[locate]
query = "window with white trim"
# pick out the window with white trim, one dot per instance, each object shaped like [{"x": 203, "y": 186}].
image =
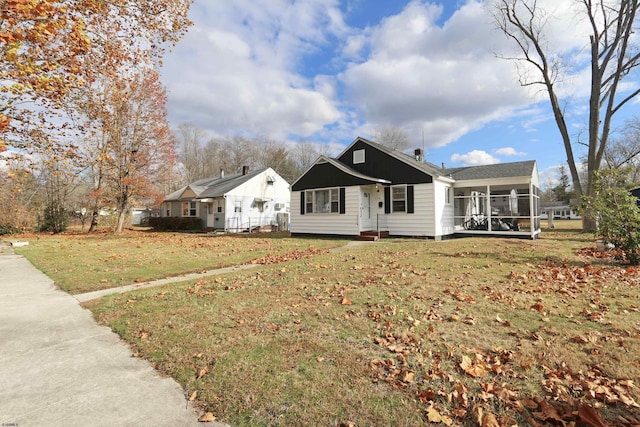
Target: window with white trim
[
  {"x": 322, "y": 201},
  {"x": 447, "y": 195},
  {"x": 308, "y": 197},
  {"x": 399, "y": 198},
  {"x": 358, "y": 157},
  {"x": 189, "y": 209}
]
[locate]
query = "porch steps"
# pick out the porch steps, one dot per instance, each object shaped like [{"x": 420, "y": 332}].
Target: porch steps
[{"x": 371, "y": 236}]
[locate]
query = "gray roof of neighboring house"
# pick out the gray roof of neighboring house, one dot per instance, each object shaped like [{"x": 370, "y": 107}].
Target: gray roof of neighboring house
[
  {"x": 499, "y": 170},
  {"x": 214, "y": 187}
]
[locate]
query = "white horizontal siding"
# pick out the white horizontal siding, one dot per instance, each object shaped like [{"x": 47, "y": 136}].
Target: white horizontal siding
[
  {"x": 419, "y": 223},
  {"x": 443, "y": 214},
  {"x": 339, "y": 224}
]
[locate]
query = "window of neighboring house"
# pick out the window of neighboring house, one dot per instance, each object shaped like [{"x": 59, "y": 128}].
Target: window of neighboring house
[
  {"x": 189, "y": 209},
  {"x": 399, "y": 198},
  {"x": 259, "y": 205},
  {"x": 447, "y": 195},
  {"x": 238, "y": 206},
  {"x": 358, "y": 157}
]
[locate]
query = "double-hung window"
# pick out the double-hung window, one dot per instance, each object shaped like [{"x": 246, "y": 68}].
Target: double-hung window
[
  {"x": 399, "y": 198},
  {"x": 189, "y": 209}
]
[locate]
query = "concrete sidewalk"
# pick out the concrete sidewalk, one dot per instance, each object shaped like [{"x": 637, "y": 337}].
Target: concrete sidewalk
[{"x": 59, "y": 368}]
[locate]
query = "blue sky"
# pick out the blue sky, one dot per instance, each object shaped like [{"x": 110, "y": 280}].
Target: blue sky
[{"x": 328, "y": 71}]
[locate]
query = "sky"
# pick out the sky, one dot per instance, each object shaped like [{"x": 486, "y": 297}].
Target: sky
[{"x": 328, "y": 71}]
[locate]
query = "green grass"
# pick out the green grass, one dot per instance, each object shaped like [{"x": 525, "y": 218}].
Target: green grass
[
  {"x": 83, "y": 262},
  {"x": 377, "y": 335}
]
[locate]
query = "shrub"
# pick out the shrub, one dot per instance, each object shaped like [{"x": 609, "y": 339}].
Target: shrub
[
  {"x": 56, "y": 217},
  {"x": 616, "y": 213},
  {"x": 175, "y": 223},
  {"x": 8, "y": 229}
]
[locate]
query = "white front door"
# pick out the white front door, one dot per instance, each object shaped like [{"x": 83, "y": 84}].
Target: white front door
[
  {"x": 210, "y": 213},
  {"x": 365, "y": 211}
]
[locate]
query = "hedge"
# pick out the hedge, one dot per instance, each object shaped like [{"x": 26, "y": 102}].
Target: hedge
[{"x": 175, "y": 223}]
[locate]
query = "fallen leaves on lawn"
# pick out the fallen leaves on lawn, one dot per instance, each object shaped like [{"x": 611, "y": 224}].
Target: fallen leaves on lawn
[{"x": 289, "y": 256}]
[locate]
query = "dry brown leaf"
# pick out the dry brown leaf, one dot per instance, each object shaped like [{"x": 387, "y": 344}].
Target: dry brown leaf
[
  {"x": 408, "y": 377},
  {"x": 475, "y": 370},
  {"x": 202, "y": 372},
  {"x": 433, "y": 415},
  {"x": 537, "y": 306},
  {"x": 590, "y": 416},
  {"x": 345, "y": 301},
  {"x": 489, "y": 420},
  {"x": 529, "y": 403},
  {"x": 193, "y": 395},
  {"x": 207, "y": 418}
]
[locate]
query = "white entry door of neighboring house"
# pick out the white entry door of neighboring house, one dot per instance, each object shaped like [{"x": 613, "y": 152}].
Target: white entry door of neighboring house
[
  {"x": 210, "y": 214},
  {"x": 365, "y": 211}
]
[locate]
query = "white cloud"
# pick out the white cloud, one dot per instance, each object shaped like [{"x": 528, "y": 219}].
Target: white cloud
[
  {"x": 236, "y": 69},
  {"x": 294, "y": 69},
  {"x": 509, "y": 151},
  {"x": 474, "y": 158},
  {"x": 440, "y": 80}
]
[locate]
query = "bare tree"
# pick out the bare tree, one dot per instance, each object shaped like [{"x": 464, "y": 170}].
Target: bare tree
[
  {"x": 392, "y": 137},
  {"x": 304, "y": 153},
  {"x": 624, "y": 151},
  {"x": 191, "y": 151},
  {"x": 612, "y": 58}
]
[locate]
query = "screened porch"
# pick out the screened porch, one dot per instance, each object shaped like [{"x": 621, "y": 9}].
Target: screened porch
[{"x": 511, "y": 209}]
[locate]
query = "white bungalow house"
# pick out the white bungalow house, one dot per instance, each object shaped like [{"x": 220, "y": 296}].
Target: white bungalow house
[
  {"x": 233, "y": 203},
  {"x": 371, "y": 189}
]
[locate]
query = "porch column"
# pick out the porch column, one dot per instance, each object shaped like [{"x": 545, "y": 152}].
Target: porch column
[{"x": 488, "y": 195}]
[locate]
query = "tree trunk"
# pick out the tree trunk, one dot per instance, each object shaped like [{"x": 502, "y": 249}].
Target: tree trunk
[
  {"x": 589, "y": 224},
  {"x": 94, "y": 221},
  {"x": 121, "y": 217}
]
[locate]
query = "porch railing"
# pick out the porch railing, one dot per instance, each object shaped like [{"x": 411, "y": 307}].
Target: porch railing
[{"x": 381, "y": 223}]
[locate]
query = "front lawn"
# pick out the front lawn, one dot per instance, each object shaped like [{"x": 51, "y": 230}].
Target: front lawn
[
  {"x": 84, "y": 262},
  {"x": 403, "y": 332}
]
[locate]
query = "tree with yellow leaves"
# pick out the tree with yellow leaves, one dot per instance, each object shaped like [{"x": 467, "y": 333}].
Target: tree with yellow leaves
[{"x": 50, "y": 48}]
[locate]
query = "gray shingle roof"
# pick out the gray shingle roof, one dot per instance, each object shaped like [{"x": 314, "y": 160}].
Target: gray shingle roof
[
  {"x": 214, "y": 187},
  {"x": 499, "y": 170}
]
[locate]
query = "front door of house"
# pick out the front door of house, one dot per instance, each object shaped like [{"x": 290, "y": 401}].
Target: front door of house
[
  {"x": 210, "y": 213},
  {"x": 365, "y": 211}
]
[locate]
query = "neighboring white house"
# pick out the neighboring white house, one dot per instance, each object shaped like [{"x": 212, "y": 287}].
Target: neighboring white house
[
  {"x": 233, "y": 203},
  {"x": 371, "y": 188},
  {"x": 560, "y": 211}
]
